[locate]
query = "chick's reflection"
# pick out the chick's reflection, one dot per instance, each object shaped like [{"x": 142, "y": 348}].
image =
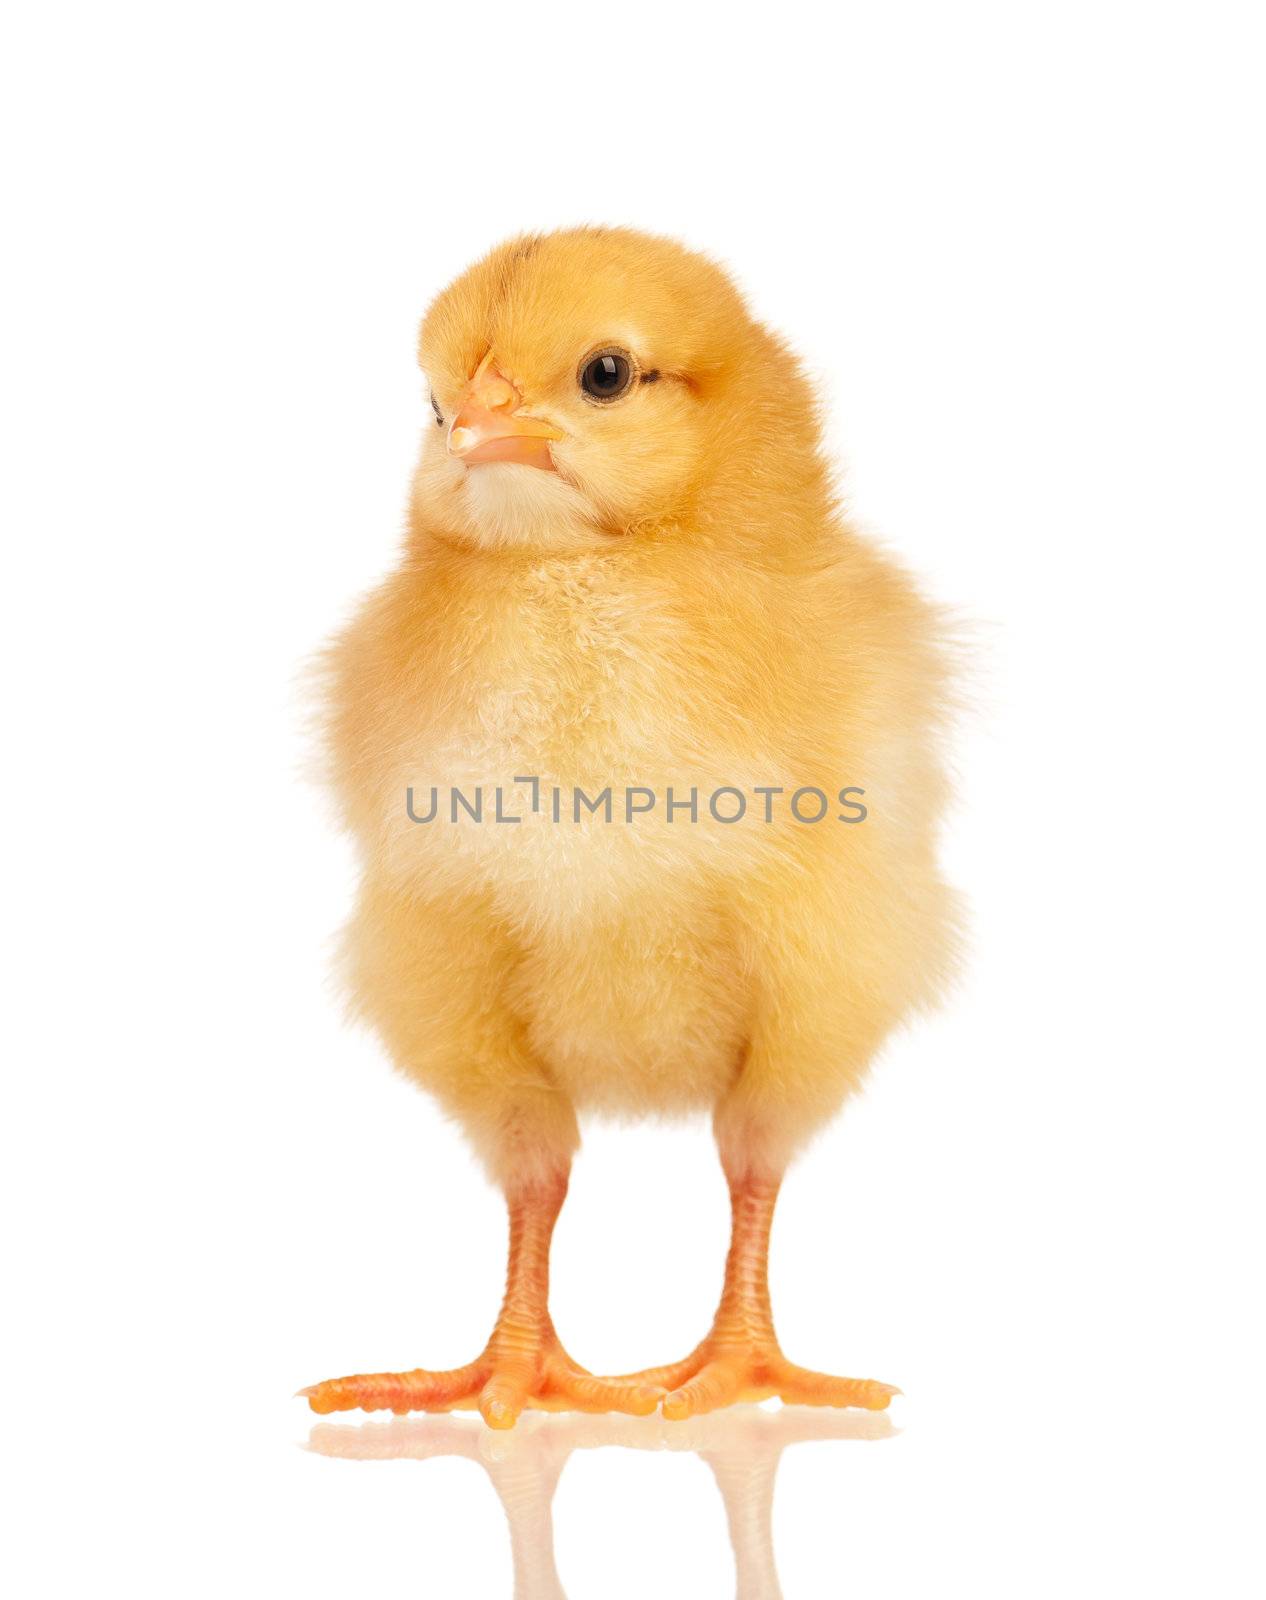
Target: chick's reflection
[{"x": 742, "y": 1446}]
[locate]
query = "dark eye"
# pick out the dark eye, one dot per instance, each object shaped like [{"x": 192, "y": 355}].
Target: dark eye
[
  {"x": 439, "y": 415},
  {"x": 607, "y": 375}
]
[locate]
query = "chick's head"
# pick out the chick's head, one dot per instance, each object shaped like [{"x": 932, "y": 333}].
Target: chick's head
[{"x": 590, "y": 381}]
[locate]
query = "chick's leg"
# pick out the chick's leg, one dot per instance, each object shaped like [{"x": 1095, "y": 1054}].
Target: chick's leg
[
  {"x": 740, "y": 1360},
  {"x": 522, "y": 1365}
]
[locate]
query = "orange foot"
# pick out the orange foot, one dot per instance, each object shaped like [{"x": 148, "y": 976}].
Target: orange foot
[
  {"x": 740, "y": 1360},
  {"x": 523, "y": 1364},
  {"x": 512, "y": 1375},
  {"x": 724, "y": 1371}
]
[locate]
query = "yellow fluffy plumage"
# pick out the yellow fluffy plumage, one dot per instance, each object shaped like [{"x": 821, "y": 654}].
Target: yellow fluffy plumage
[{"x": 676, "y": 603}]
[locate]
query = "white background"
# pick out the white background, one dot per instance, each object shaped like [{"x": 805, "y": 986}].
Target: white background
[{"x": 1018, "y": 245}]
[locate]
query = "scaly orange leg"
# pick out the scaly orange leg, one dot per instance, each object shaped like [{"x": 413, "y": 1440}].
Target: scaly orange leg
[
  {"x": 523, "y": 1364},
  {"x": 740, "y": 1360}
]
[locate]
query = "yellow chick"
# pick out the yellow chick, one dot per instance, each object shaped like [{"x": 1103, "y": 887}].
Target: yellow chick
[{"x": 639, "y": 744}]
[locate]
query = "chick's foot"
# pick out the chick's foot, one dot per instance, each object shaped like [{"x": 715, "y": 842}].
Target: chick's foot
[
  {"x": 523, "y": 1365},
  {"x": 731, "y": 1369},
  {"x": 741, "y": 1360},
  {"x": 512, "y": 1375}
]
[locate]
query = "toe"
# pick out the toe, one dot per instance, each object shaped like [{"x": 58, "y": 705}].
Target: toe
[
  {"x": 392, "y": 1391},
  {"x": 502, "y": 1399},
  {"x": 567, "y": 1383},
  {"x": 798, "y": 1386},
  {"x": 586, "y": 1393},
  {"x": 663, "y": 1378},
  {"x": 714, "y": 1385}
]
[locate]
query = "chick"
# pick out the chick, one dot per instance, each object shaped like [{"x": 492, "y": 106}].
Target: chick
[{"x": 584, "y": 735}]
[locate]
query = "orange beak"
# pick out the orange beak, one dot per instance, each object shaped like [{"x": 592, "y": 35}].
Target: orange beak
[{"x": 490, "y": 427}]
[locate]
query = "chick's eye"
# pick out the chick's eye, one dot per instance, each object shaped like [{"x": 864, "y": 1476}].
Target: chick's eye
[
  {"x": 606, "y": 376},
  {"x": 439, "y": 415}
]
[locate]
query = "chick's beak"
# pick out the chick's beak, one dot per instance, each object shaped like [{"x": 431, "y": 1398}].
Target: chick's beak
[{"x": 489, "y": 425}]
